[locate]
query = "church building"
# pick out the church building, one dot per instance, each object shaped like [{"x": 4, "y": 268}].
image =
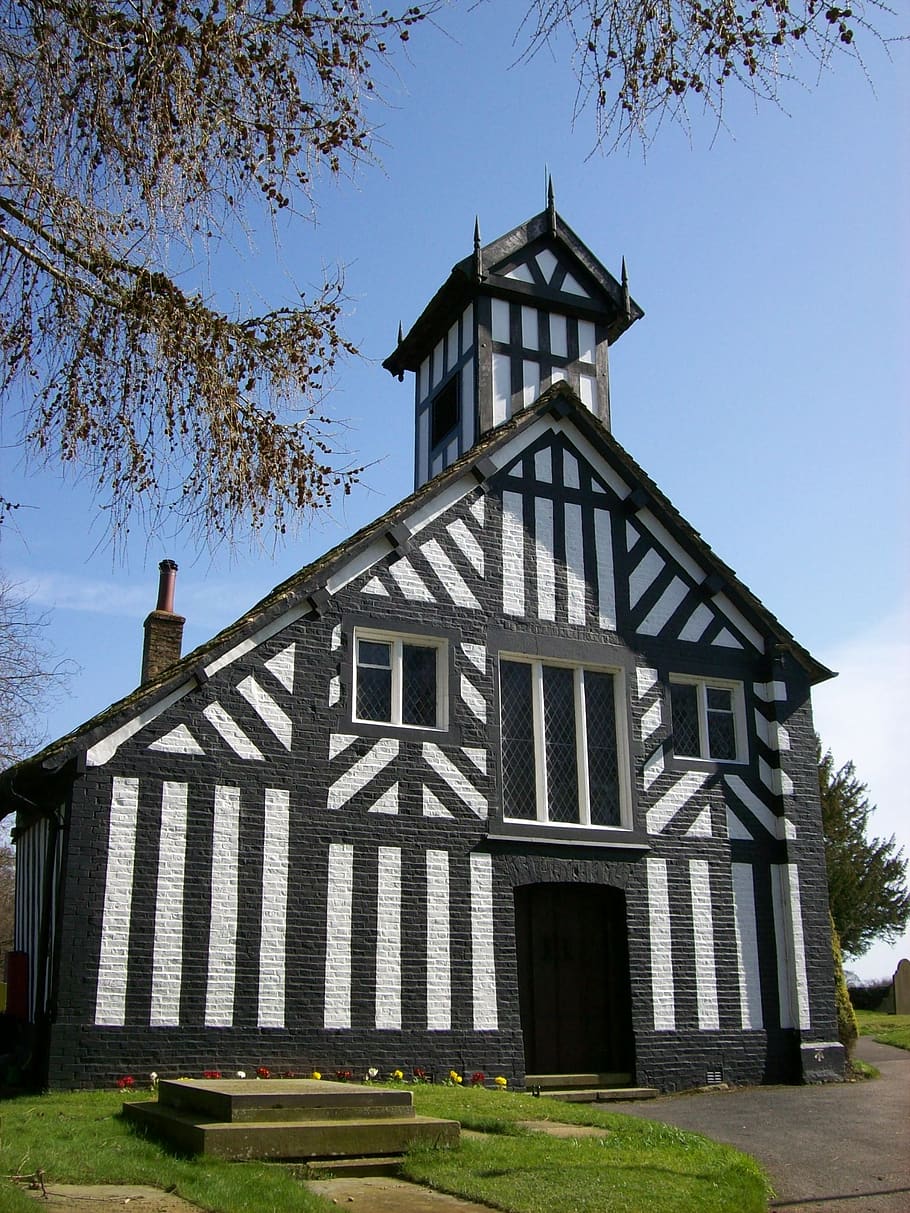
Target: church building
[{"x": 519, "y": 779}]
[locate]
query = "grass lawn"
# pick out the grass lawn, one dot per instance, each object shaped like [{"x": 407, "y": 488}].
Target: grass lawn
[
  {"x": 887, "y": 1029},
  {"x": 78, "y": 1137}
]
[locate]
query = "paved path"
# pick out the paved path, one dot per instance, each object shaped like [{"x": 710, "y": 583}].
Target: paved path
[{"x": 838, "y": 1148}]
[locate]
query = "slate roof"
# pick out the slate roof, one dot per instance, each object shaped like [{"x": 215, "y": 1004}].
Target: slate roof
[{"x": 309, "y": 582}]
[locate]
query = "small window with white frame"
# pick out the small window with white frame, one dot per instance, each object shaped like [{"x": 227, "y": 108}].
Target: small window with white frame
[
  {"x": 564, "y": 752},
  {"x": 400, "y": 679},
  {"x": 708, "y": 719}
]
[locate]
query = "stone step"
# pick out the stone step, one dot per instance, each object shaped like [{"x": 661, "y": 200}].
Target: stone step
[
  {"x": 564, "y": 1082},
  {"x": 258, "y": 1100},
  {"x": 604, "y": 1094},
  {"x": 353, "y": 1168},
  {"x": 291, "y": 1138}
]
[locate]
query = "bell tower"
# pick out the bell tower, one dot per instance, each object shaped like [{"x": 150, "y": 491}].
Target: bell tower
[{"x": 531, "y": 308}]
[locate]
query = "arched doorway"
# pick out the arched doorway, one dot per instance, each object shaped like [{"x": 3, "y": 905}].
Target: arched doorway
[{"x": 573, "y": 979}]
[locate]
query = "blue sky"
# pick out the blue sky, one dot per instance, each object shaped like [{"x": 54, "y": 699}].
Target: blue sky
[{"x": 766, "y": 389}]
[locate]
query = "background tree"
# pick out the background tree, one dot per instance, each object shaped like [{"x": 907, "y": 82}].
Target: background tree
[
  {"x": 867, "y": 876},
  {"x": 130, "y": 135}
]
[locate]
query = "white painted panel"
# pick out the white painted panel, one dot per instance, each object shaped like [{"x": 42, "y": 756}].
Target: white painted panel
[
  {"x": 530, "y": 382},
  {"x": 167, "y": 949},
  {"x": 644, "y": 573},
  {"x": 606, "y": 585},
  {"x": 513, "y": 562},
  {"x": 559, "y": 342},
  {"x": 362, "y": 772},
  {"x": 587, "y": 342},
  {"x": 725, "y": 639},
  {"x": 696, "y": 623},
  {"x": 501, "y": 331},
  {"x": 544, "y": 558},
  {"x": 557, "y": 375},
  {"x": 282, "y": 664},
  {"x": 746, "y": 933},
  {"x": 388, "y": 939},
  {"x": 477, "y": 655},
  {"x": 222, "y": 959},
  {"x": 424, "y": 380},
  {"x": 783, "y": 943},
  {"x": 178, "y": 741},
  {"x": 467, "y": 328},
  {"x": 439, "y": 978},
  {"x": 423, "y": 448},
  {"x": 467, "y": 406},
  {"x": 662, "y": 812},
  {"x": 437, "y": 465},
  {"x": 337, "y": 1007},
  {"x": 521, "y": 273},
  {"x": 569, "y": 470},
  {"x": 387, "y": 803},
  {"x": 543, "y": 466},
  {"x": 459, "y": 783},
  {"x": 433, "y": 806},
  {"x": 473, "y": 699},
  {"x": 740, "y": 622},
  {"x": 451, "y": 580},
  {"x": 529, "y": 335},
  {"x": 502, "y": 388},
  {"x": 451, "y": 452},
  {"x": 231, "y": 732},
  {"x": 110, "y": 998},
  {"x": 703, "y": 937},
  {"x": 483, "y": 955},
  {"x": 575, "y": 564},
  {"x": 452, "y": 344},
  {"x": 701, "y": 827},
  {"x": 645, "y": 679},
  {"x": 270, "y": 713},
  {"x": 653, "y": 768},
  {"x": 651, "y": 720},
  {"x": 273, "y": 920},
  {"x": 572, "y": 286},
  {"x": 662, "y": 991},
  {"x": 674, "y": 549},
  {"x": 659, "y": 615},
  {"x": 464, "y": 540},
  {"x": 438, "y": 362},
  {"x": 409, "y": 581},
  {"x": 777, "y": 827},
  {"x": 546, "y": 263},
  {"x": 803, "y": 1021},
  {"x": 587, "y": 391}
]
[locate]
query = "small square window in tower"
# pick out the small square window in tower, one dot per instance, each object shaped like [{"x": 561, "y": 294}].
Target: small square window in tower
[{"x": 444, "y": 412}]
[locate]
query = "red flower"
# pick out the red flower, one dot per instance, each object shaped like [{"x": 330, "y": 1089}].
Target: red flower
[
  {"x": 478, "y": 1079},
  {"x": 420, "y": 1073},
  {"x": 126, "y": 1082},
  {"x": 211, "y": 1073},
  {"x": 344, "y": 1075},
  {"x": 288, "y": 1074},
  {"x": 263, "y": 1072}
]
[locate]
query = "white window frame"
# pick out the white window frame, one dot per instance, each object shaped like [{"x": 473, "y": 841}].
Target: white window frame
[
  {"x": 703, "y": 685},
  {"x": 581, "y": 743},
  {"x": 397, "y": 640}
]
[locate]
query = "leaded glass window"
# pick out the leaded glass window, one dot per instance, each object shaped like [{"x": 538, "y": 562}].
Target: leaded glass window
[
  {"x": 399, "y": 680},
  {"x": 707, "y": 720},
  {"x": 560, "y": 752}
]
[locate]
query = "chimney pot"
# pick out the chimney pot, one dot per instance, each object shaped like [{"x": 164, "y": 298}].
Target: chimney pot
[{"x": 163, "y": 628}]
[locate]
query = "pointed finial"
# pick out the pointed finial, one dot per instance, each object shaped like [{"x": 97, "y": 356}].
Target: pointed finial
[
  {"x": 400, "y": 333},
  {"x": 551, "y": 206},
  {"x": 478, "y": 253},
  {"x": 626, "y": 301}
]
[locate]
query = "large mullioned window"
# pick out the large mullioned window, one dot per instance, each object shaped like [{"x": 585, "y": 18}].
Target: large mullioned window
[
  {"x": 560, "y": 745},
  {"x": 400, "y": 680}
]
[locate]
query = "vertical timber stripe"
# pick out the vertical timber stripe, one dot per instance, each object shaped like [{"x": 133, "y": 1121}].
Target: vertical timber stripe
[
  {"x": 282, "y": 666},
  {"x": 337, "y": 1006},
  {"x": 513, "y": 563},
  {"x": 468, "y": 546},
  {"x": 676, "y": 798},
  {"x": 439, "y": 976},
  {"x": 272, "y": 958},
  {"x": 334, "y": 690},
  {"x": 167, "y": 954},
  {"x": 662, "y": 993},
  {"x": 606, "y": 586},
  {"x": 575, "y": 564},
  {"x": 110, "y": 999},
  {"x": 803, "y": 1021},
  {"x": 703, "y": 935},
  {"x": 219, "y": 994},
  {"x": 451, "y": 580},
  {"x": 272, "y": 716},
  {"x": 409, "y": 581},
  {"x": 366, "y": 768},
  {"x": 231, "y": 732},
  {"x": 543, "y": 552},
  {"x": 746, "y": 947},
  {"x": 784, "y": 951},
  {"x": 388, "y": 939},
  {"x": 483, "y": 956},
  {"x": 462, "y": 787}
]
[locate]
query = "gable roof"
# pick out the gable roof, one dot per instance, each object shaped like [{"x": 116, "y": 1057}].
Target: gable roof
[
  {"x": 488, "y": 266},
  {"x": 306, "y": 592}
]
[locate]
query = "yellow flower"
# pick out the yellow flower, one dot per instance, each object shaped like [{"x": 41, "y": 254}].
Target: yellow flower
[
  {"x": 398, "y": 1075},
  {"x": 500, "y": 1081},
  {"x": 316, "y": 1075}
]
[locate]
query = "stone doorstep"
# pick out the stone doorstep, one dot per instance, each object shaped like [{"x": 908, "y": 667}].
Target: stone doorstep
[
  {"x": 564, "y": 1082},
  {"x": 242, "y": 1100},
  {"x": 353, "y": 1168},
  {"x": 292, "y": 1139},
  {"x": 604, "y": 1095}
]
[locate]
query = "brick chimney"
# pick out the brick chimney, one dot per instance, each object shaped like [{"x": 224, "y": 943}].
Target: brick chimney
[{"x": 163, "y": 629}]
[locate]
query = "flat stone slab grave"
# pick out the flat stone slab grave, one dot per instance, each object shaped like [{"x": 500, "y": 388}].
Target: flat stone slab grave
[{"x": 290, "y": 1118}]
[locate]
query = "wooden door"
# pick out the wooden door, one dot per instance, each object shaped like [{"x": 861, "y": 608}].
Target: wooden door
[{"x": 573, "y": 974}]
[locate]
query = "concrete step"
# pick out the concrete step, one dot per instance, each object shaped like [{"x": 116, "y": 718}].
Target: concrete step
[
  {"x": 291, "y": 1138},
  {"x": 281, "y": 1099},
  {"x": 603, "y": 1094},
  {"x": 564, "y": 1082},
  {"x": 318, "y": 1168}
]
